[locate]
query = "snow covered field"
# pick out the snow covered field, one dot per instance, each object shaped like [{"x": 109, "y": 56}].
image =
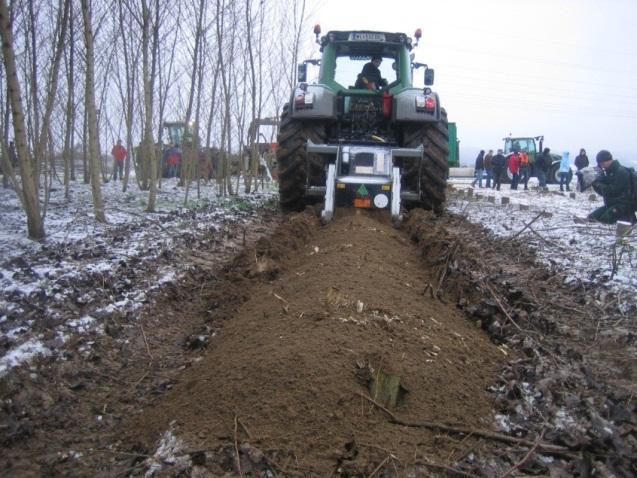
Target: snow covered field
[
  {"x": 586, "y": 253},
  {"x": 85, "y": 271}
]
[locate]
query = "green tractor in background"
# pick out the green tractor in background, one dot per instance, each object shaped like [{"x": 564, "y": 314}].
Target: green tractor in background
[{"x": 347, "y": 145}]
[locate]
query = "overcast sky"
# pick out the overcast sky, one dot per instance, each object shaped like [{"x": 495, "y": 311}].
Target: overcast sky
[{"x": 566, "y": 69}]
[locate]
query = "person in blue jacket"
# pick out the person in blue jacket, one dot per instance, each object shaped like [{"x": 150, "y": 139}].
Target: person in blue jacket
[{"x": 565, "y": 171}]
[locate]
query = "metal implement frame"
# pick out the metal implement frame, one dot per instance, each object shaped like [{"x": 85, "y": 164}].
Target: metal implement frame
[{"x": 328, "y": 191}]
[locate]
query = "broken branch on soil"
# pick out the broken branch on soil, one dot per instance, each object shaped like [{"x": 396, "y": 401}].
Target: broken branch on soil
[
  {"x": 146, "y": 341},
  {"x": 245, "y": 429},
  {"x": 446, "y": 468},
  {"x": 236, "y": 447},
  {"x": 528, "y": 224},
  {"x": 547, "y": 447},
  {"x": 499, "y": 302},
  {"x": 525, "y": 458},
  {"x": 445, "y": 267},
  {"x": 380, "y": 465}
]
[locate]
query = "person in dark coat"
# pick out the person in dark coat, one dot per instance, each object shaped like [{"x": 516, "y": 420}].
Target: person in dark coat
[
  {"x": 488, "y": 167},
  {"x": 614, "y": 185},
  {"x": 479, "y": 169},
  {"x": 543, "y": 166},
  {"x": 581, "y": 162},
  {"x": 370, "y": 78},
  {"x": 499, "y": 167}
]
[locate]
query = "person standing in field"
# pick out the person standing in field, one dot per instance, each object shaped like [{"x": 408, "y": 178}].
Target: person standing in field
[
  {"x": 119, "y": 155},
  {"x": 524, "y": 169},
  {"x": 488, "y": 167},
  {"x": 479, "y": 169},
  {"x": 499, "y": 168},
  {"x": 564, "y": 171},
  {"x": 581, "y": 162},
  {"x": 543, "y": 166},
  {"x": 514, "y": 167}
]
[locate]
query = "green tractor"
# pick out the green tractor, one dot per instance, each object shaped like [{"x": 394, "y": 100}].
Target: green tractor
[
  {"x": 346, "y": 142},
  {"x": 533, "y": 146}
]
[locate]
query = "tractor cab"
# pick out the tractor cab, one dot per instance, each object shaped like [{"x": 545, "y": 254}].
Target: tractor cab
[{"x": 178, "y": 132}]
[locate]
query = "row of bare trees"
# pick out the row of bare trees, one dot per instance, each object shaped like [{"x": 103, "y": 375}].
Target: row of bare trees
[{"x": 79, "y": 74}]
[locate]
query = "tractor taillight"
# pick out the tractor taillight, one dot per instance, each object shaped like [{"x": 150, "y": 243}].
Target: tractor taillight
[
  {"x": 425, "y": 103},
  {"x": 303, "y": 99}
]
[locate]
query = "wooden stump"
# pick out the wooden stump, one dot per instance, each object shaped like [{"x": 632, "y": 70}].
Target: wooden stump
[
  {"x": 505, "y": 200},
  {"x": 385, "y": 388}
]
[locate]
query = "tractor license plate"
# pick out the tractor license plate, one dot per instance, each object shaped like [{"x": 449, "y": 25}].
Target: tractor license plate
[{"x": 363, "y": 202}]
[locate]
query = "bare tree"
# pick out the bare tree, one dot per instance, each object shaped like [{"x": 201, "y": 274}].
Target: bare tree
[
  {"x": 149, "y": 146},
  {"x": 69, "y": 162},
  {"x": 89, "y": 101},
  {"x": 28, "y": 189}
]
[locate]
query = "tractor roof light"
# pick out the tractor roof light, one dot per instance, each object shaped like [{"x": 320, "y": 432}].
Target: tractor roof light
[
  {"x": 418, "y": 35},
  {"x": 317, "y": 32}
]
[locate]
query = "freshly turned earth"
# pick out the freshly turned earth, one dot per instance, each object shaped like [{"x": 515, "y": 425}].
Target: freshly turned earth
[{"x": 291, "y": 365}]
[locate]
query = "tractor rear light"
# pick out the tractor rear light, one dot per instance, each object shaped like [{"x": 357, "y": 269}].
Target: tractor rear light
[
  {"x": 425, "y": 103},
  {"x": 303, "y": 99}
]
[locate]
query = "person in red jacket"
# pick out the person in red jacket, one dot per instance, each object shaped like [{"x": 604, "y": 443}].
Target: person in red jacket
[
  {"x": 514, "y": 167},
  {"x": 119, "y": 155}
]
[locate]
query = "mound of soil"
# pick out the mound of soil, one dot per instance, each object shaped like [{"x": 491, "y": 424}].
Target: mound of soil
[{"x": 347, "y": 300}]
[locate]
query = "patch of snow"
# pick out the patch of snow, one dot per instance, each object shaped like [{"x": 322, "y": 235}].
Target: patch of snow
[
  {"x": 503, "y": 423},
  {"x": 563, "y": 420},
  {"x": 21, "y": 354},
  {"x": 83, "y": 324},
  {"x": 167, "y": 453}
]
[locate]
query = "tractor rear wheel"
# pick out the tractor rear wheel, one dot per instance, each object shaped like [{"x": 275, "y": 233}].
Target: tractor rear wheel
[
  {"x": 293, "y": 160},
  {"x": 435, "y": 167}
]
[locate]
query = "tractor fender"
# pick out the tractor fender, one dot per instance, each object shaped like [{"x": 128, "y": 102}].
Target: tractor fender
[
  {"x": 405, "y": 107},
  {"x": 323, "y": 103}
]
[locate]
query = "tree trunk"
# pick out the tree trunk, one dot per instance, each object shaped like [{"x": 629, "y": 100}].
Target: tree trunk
[
  {"x": 149, "y": 147},
  {"x": 69, "y": 168},
  {"x": 31, "y": 201},
  {"x": 89, "y": 94}
]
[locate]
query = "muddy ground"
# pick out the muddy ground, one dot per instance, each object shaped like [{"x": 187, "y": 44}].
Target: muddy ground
[{"x": 261, "y": 364}]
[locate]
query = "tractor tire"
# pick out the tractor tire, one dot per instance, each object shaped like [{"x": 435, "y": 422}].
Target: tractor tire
[
  {"x": 435, "y": 167},
  {"x": 293, "y": 160}
]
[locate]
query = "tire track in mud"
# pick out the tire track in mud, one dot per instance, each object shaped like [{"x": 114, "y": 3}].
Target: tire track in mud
[{"x": 328, "y": 306}]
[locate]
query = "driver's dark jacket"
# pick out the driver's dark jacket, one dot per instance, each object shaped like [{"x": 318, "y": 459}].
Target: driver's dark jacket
[
  {"x": 372, "y": 74},
  {"x": 614, "y": 186}
]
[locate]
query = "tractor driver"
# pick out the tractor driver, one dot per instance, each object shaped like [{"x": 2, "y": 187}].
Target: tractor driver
[{"x": 370, "y": 77}]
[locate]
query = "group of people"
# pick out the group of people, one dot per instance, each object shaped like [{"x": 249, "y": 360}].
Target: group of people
[
  {"x": 170, "y": 160},
  {"x": 520, "y": 167},
  {"x": 615, "y": 183},
  {"x": 494, "y": 167}
]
